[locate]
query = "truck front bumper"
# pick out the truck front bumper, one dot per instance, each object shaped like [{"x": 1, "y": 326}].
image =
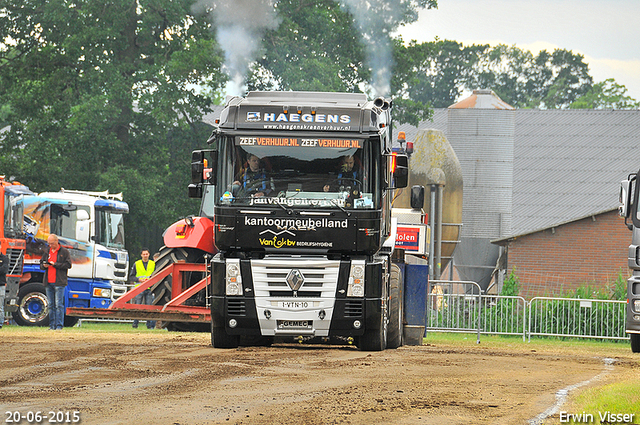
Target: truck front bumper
[{"x": 248, "y": 316}]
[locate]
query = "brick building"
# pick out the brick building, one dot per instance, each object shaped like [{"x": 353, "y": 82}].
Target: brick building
[{"x": 588, "y": 251}]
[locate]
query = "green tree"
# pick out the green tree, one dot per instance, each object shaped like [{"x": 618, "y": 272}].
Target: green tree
[
  {"x": 438, "y": 72},
  {"x": 319, "y": 46},
  {"x": 606, "y": 94},
  {"x": 91, "y": 90},
  {"x": 548, "y": 80}
]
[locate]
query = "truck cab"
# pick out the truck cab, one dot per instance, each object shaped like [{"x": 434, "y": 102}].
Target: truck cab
[
  {"x": 13, "y": 242},
  {"x": 302, "y": 185},
  {"x": 91, "y": 226},
  {"x": 629, "y": 198}
]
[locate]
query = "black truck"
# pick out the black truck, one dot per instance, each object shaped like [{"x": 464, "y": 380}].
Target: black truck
[
  {"x": 300, "y": 185},
  {"x": 629, "y": 198}
]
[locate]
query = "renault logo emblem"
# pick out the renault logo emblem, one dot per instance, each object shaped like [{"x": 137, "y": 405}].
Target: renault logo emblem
[{"x": 295, "y": 279}]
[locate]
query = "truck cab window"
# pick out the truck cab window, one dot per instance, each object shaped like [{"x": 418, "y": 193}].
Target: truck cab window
[
  {"x": 63, "y": 220},
  {"x": 311, "y": 173},
  {"x": 110, "y": 228}
]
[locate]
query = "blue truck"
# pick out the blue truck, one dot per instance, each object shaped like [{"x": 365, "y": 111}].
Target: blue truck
[{"x": 91, "y": 226}]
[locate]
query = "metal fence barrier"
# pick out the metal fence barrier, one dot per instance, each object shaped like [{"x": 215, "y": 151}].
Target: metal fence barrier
[
  {"x": 454, "y": 306},
  {"x": 575, "y": 317},
  {"x": 504, "y": 315},
  {"x": 460, "y": 306}
]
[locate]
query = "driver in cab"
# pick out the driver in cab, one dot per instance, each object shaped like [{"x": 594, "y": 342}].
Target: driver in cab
[
  {"x": 348, "y": 176},
  {"x": 253, "y": 181}
]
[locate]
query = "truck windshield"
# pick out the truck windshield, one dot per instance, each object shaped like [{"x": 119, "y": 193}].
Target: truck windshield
[
  {"x": 110, "y": 228},
  {"x": 298, "y": 171},
  {"x": 13, "y": 213}
]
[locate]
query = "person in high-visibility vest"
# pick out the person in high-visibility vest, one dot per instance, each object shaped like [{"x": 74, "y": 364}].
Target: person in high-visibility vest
[{"x": 140, "y": 272}]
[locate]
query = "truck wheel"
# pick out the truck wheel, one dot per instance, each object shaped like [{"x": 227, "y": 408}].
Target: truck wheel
[
  {"x": 70, "y": 321},
  {"x": 220, "y": 339},
  {"x": 375, "y": 339},
  {"x": 396, "y": 312},
  {"x": 33, "y": 306},
  {"x": 162, "y": 290},
  {"x": 635, "y": 343}
]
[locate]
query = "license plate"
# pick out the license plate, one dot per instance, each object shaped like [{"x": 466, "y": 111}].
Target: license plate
[
  {"x": 294, "y": 324},
  {"x": 294, "y": 305}
]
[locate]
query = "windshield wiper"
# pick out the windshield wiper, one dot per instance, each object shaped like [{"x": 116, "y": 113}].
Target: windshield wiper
[
  {"x": 333, "y": 201},
  {"x": 289, "y": 211}
]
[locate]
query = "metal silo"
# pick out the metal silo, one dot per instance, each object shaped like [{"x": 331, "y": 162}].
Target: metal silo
[
  {"x": 481, "y": 130},
  {"x": 433, "y": 159}
]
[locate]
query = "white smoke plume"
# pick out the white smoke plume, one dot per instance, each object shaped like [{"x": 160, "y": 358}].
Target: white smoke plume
[
  {"x": 240, "y": 25},
  {"x": 376, "y": 19}
]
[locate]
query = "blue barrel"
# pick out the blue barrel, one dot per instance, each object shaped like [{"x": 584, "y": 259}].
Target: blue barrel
[{"x": 416, "y": 281}]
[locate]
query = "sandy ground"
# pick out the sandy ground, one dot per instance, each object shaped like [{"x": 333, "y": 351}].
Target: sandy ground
[{"x": 178, "y": 378}]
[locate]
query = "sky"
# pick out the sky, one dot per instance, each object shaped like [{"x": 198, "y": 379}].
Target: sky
[{"x": 606, "y": 32}]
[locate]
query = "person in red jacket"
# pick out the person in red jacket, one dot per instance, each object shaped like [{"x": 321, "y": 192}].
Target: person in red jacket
[{"x": 56, "y": 261}]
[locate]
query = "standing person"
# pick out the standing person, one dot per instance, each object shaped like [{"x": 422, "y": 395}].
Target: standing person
[
  {"x": 4, "y": 268},
  {"x": 140, "y": 272},
  {"x": 56, "y": 261}
]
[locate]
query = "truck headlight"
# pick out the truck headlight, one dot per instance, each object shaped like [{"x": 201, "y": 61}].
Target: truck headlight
[
  {"x": 102, "y": 292},
  {"x": 233, "y": 277},
  {"x": 636, "y": 305},
  {"x": 355, "y": 287}
]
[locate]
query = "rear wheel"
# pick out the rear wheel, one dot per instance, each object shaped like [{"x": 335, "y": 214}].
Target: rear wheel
[
  {"x": 635, "y": 343},
  {"x": 396, "y": 314},
  {"x": 162, "y": 290},
  {"x": 33, "y": 305}
]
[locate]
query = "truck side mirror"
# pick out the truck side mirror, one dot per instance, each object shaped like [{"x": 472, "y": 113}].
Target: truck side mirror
[
  {"x": 82, "y": 226},
  {"x": 400, "y": 171},
  {"x": 197, "y": 167},
  {"x": 201, "y": 170},
  {"x": 195, "y": 190},
  {"x": 417, "y": 197},
  {"x": 624, "y": 198}
]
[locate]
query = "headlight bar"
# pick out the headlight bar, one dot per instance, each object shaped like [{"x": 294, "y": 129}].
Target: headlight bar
[
  {"x": 355, "y": 287},
  {"x": 233, "y": 277}
]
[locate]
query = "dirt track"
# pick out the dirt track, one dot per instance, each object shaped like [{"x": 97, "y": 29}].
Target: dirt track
[{"x": 178, "y": 378}]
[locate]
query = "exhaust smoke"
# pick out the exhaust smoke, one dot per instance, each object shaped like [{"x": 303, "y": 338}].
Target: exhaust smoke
[
  {"x": 240, "y": 25},
  {"x": 376, "y": 20}
]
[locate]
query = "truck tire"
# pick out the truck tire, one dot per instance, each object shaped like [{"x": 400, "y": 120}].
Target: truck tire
[
  {"x": 70, "y": 321},
  {"x": 375, "y": 339},
  {"x": 635, "y": 343},
  {"x": 33, "y": 305},
  {"x": 220, "y": 339},
  {"x": 396, "y": 312},
  {"x": 162, "y": 290}
]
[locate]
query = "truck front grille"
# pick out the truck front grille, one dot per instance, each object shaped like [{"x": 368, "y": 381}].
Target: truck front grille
[
  {"x": 16, "y": 257},
  {"x": 236, "y": 307},
  {"x": 320, "y": 277},
  {"x": 353, "y": 308}
]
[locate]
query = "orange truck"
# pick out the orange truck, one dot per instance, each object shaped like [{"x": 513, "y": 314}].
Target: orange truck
[{"x": 12, "y": 237}]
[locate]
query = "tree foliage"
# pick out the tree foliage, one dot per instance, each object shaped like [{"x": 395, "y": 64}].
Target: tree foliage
[
  {"x": 90, "y": 90},
  {"x": 606, "y": 94},
  {"x": 439, "y": 72}
]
